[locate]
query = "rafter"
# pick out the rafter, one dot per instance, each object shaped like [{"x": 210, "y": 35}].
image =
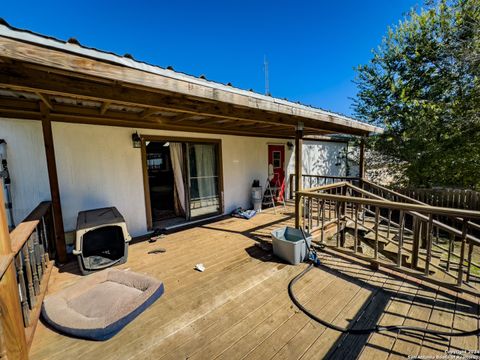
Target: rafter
[
  {"x": 29, "y": 109},
  {"x": 45, "y": 100},
  {"x": 104, "y": 107},
  {"x": 148, "y": 112},
  {"x": 27, "y": 79}
]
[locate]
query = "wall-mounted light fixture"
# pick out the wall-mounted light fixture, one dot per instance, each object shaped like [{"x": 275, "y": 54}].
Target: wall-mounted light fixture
[
  {"x": 290, "y": 145},
  {"x": 136, "y": 140}
]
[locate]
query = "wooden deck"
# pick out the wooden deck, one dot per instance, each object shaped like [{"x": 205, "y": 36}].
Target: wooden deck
[{"x": 239, "y": 307}]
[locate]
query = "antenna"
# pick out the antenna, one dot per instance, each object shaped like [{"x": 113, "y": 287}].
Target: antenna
[{"x": 265, "y": 68}]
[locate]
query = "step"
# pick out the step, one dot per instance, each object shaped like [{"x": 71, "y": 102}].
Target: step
[
  {"x": 371, "y": 236},
  {"x": 392, "y": 250}
]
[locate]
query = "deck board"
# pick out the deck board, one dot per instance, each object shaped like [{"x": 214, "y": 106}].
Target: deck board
[{"x": 239, "y": 307}]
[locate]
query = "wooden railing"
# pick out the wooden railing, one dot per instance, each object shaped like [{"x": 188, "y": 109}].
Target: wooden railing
[
  {"x": 445, "y": 197},
  {"x": 309, "y": 181},
  {"x": 25, "y": 268},
  {"x": 397, "y": 232}
]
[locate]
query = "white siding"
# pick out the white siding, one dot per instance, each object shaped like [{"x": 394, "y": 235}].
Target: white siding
[
  {"x": 98, "y": 166},
  {"x": 26, "y": 163}
]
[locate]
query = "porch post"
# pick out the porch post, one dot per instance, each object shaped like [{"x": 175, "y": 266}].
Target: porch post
[
  {"x": 362, "y": 159},
  {"x": 298, "y": 172},
  {"x": 54, "y": 188}
]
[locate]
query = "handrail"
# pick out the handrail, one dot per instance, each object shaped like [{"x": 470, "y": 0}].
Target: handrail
[
  {"x": 383, "y": 188},
  {"x": 353, "y": 203},
  {"x": 32, "y": 247},
  {"x": 328, "y": 186},
  {"x": 22, "y": 232},
  {"x": 415, "y": 201},
  {"x": 332, "y": 177},
  {"x": 393, "y": 205},
  {"x": 5, "y": 261},
  {"x": 437, "y": 223},
  {"x": 326, "y": 178}
]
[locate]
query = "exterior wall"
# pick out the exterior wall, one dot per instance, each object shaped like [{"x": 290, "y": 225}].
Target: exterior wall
[
  {"x": 98, "y": 166},
  {"x": 27, "y": 165},
  {"x": 324, "y": 158}
]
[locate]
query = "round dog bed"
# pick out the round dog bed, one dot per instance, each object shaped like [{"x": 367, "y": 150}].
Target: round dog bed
[{"x": 98, "y": 306}]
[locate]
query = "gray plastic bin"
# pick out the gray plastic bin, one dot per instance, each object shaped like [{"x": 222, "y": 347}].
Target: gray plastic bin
[{"x": 289, "y": 245}]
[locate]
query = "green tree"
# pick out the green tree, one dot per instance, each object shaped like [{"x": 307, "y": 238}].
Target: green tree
[{"x": 423, "y": 86}]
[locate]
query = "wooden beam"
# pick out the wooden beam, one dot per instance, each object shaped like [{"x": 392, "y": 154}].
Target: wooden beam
[
  {"x": 25, "y": 79},
  {"x": 180, "y": 118},
  {"x": 158, "y": 79},
  {"x": 84, "y": 115},
  {"x": 104, "y": 108},
  {"x": 148, "y": 112},
  {"x": 361, "y": 165},
  {"x": 298, "y": 173},
  {"x": 46, "y": 100},
  {"x": 60, "y": 245}
]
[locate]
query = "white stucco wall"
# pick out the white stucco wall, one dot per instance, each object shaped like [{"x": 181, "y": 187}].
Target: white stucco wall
[
  {"x": 98, "y": 166},
  {"x": 27, "y": 165}
]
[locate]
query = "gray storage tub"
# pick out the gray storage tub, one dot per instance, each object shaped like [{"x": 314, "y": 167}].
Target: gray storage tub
[{"x": 289, "y": 245}]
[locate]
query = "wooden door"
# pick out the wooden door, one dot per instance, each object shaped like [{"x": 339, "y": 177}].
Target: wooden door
[{"x": 276, "y": 157}]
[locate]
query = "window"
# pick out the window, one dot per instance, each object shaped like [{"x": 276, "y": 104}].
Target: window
[
  {"x": 277, "y": 159},
  {"x": 203, "y": 176}
]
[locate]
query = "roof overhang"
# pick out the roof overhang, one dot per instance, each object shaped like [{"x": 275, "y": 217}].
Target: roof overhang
[{"x": 82, "y": 85}]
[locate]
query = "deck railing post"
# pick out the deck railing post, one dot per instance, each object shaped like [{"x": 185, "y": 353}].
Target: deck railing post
[
  {"x": 428, "y": 256},
  {"x": 401, "y": 231},
  {"x": 356, "y": 229},
  {"x": 416, "y": 242},
  {"x": 451, "y": 247},
  {"x": 462, "y": 253},
  {"x": 469, "y": 264},
  {"x": 22, "y": 289},
  {"x": 337, "y": 214},
  {"x": 298, "y": 172},
  {"x": 389, "y": 222},
  {"x": 11, "y": 319},
  {"x": 377, "y": 221},
  {"x": 323, "y": 223}
]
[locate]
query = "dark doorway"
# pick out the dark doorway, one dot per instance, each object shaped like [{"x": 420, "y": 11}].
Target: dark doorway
[
  {"x": 182, "y": 178},
  {"x": 160, "y": 180}
]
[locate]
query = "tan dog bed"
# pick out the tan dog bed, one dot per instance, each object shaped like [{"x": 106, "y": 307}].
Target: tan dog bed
[{"x": 100, "y": 305}]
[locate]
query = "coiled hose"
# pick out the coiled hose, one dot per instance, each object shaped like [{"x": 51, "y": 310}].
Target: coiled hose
[{"x": 361, "y": 331}]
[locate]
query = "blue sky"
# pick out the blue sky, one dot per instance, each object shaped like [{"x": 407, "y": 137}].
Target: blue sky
[{"x": 311, "y": 46}]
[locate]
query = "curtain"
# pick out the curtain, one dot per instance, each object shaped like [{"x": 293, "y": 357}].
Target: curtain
[
  {"x": 176, "y": 155},
  {"x": 205, "y": 168}
]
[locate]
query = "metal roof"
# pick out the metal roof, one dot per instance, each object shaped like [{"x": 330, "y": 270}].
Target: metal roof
[{"x": 73, "y": 47}]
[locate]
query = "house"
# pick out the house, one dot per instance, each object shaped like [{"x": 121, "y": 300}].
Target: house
[
  {"x": 87, "y": 128},
  {"x": 96, "y": 163}
]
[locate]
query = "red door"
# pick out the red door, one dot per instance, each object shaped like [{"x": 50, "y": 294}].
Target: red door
[{"x": 276, "y": 158}]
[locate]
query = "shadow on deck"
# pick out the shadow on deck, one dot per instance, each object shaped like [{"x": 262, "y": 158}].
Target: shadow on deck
[{"x": 239, "y": 307}]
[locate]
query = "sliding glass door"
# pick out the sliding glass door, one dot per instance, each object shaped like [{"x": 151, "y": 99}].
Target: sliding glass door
[{"x": 203, "y": 179}]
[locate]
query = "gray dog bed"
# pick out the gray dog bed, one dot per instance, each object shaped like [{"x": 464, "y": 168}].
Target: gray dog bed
[{"x": 100, "y": 305}]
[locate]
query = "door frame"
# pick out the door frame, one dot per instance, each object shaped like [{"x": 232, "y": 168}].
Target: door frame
[
  {"x": 285, "y": 166},
  {"x": 146, "y": 188}
]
